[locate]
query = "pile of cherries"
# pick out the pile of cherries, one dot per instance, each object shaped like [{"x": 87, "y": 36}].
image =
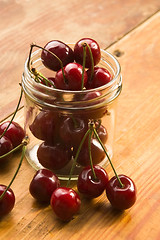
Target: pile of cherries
[{"x": 65, "y": 137}]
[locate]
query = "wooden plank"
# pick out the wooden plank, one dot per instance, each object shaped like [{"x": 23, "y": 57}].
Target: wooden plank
[
  {"x": 136, "y": 155},
  {"x": 24, "y": 22}
]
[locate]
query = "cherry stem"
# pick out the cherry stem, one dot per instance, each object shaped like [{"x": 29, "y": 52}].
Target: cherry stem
[
  {"x": 41, "y": 77},
  {"x": 96, "y": 134},
  {"x": 90, "y": 154},
  {"x": 20, "y": 163},
  {"x": 84, "y": 63},
  {"x": 20, "y": 98},
  {"x": 92, "y": 60},
  {"x": 54, "y": 55},
  {"x": 76, "y": 157}
]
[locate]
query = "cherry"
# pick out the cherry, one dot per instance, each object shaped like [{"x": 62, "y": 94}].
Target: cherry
[
  {"x": 61, "y": 50},
  {"x": 45, "y": 126},
  {"x": 72, "y": 130},
  {"x": 101, "y": 76},
  {"x": 121, "y": 197},
  {"x": 95, "y": 49},
  {"x": 90, "y": 186},
  {"x": 73, "y": 77},
  {"x": 102, "y": 132},
  {"x": 7, "y": 202},
  {"x": 53, "y": 157},
  {"x": 65, "y": 203},
  {"x": 5, "y": 147},
  {"x": 96, "y": 152},
  {"x": 15, "y": 132},
  {"x": 43, "y": 184}
]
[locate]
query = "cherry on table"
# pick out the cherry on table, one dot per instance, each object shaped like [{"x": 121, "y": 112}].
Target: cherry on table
[
  {"x": 95, "y": 49},
  {"x": 101, "y": 76},
  {"x": 73, "y": 77},
  {"x": 54, "y": 157},
  {"x": 15, "y": 132},
  {"x": 124, "y": 197},
  {"x": 7, "y": 202},
  {"x": 65, "y": 203},
  {"x": 88, "y": 185},
  {"x": 43, "y": 184},
  {"x": 61, "y": 50},
  {"x": 5, "y": 147}
]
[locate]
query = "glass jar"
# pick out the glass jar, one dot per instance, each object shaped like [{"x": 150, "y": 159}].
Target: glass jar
[{"x": 57, "y": 120}]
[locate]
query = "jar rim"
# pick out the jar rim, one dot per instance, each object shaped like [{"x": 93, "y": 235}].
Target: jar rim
[{"x": 118, "y": 67}]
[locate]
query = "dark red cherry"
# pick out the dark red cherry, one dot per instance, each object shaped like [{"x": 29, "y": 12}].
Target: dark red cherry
[
  {"x": 43, "y": 184},
  {"x": 102, "y": 132},
  {"x": 53, "y": 157},
  {"x": 65, "y": 203},
  {"x": 73, "y": 77},
  {"x": 15, "y": 132},
  {"x": 7, "y": 202},
  {"x": 5, "y": 147},
  {"x": 45, "y": 126},
  {"x": 88, "y": 185},
  {"x": 78, "y": 52},
  {"x": 61, "y": 50},
  {"x": 101, "y": 76},
  {"x": 121, "y": 197},
  {"x": 96, "y": 150},
  {"x": 72, "y": 131}
]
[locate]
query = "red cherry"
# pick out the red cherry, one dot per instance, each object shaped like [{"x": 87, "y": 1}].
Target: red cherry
[
  {"x": 45, "y": 126},
  {"x": 72, "y": 131},
  {"x": 73, "y": 77},
  {"x": 89, "y": 186},
  {"x": 65, "y": 203},
  {"x": 121, "y": 197},
  {"x": 53, "y": 157},
  {"x": 43, "y": 184},
  {"x": 102, "y": 132},
  {"x": 101, "y": 76},
  {"x": 5, "y": 147},
  {"x": 96, "y": 150},
  {"x": 15, "y": 132},
  {"x": 61, "y": 50},
  {"x": 7, "y": 202},
  {"x": 78, "y": 52}
]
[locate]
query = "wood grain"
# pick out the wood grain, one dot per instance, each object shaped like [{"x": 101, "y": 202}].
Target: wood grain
[
  {"x": 136, "y": 155},
  {"x": 24, "y": 22}
]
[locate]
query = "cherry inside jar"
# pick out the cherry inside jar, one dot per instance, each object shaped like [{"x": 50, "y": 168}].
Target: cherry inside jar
[{"x": 57, "y": 120}]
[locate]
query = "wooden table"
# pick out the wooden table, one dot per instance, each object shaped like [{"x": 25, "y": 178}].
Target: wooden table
[{"x": 130, "y": 30}]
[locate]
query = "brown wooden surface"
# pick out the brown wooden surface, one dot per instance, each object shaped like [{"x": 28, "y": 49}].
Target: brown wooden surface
[{"x": 132, "y": 30}]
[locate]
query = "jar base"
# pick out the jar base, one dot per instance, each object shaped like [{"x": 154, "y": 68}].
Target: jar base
[{"x": 62, "y": 174}]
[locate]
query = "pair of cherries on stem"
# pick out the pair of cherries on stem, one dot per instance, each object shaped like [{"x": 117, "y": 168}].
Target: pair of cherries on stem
[{"x": 92, "y": 181}]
